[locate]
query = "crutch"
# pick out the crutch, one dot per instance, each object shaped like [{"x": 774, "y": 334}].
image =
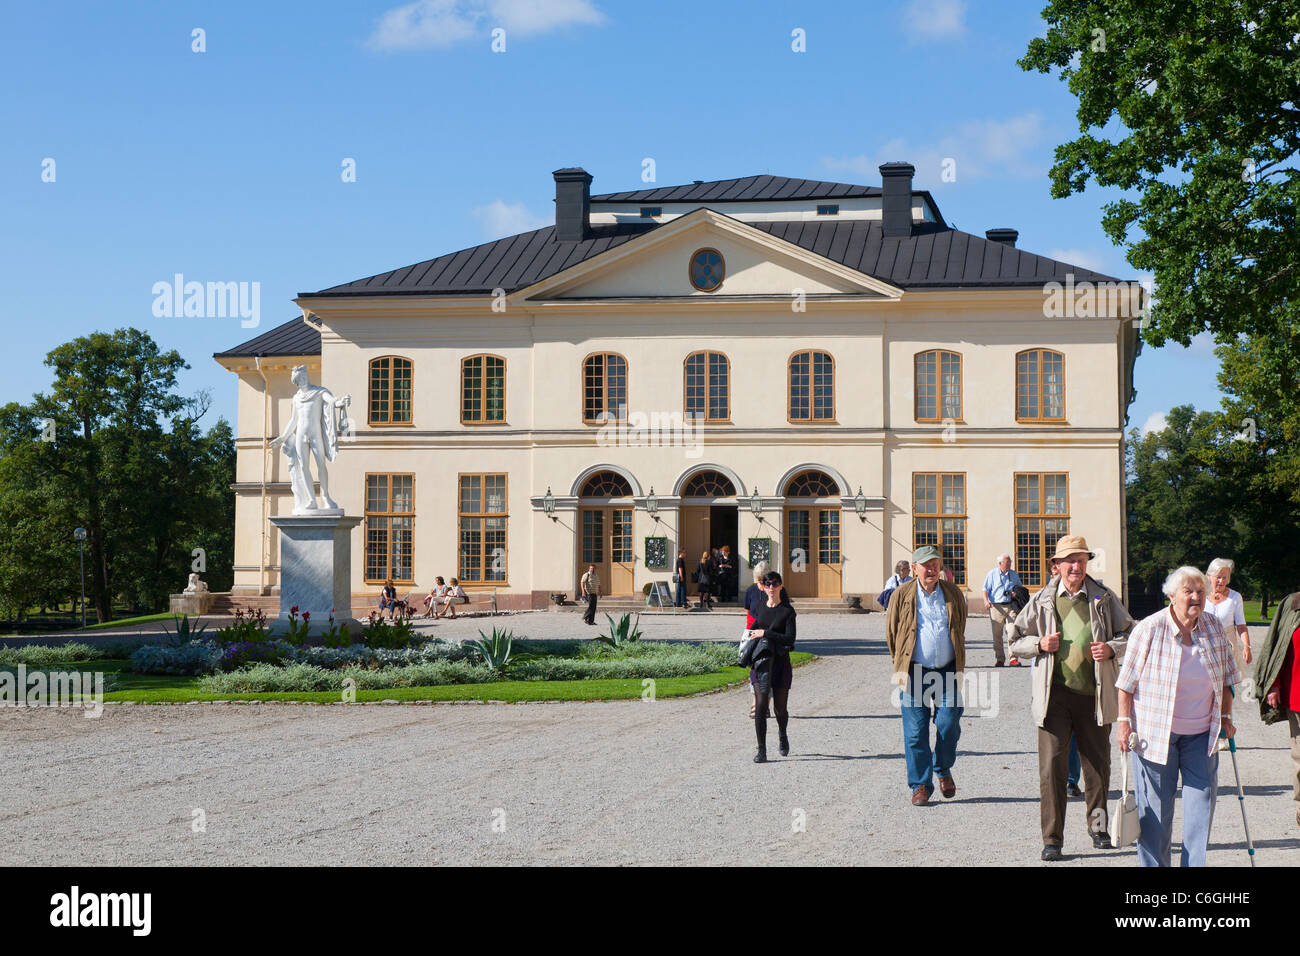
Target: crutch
[{"x": 1241, "y": 794}]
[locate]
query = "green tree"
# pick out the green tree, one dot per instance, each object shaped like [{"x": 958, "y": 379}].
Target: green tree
[
  {"x": 1192, "y": 109},
  {"x": 128, "y": 463}
]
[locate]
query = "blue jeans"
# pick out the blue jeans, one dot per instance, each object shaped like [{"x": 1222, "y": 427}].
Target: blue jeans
[
  {"x": 679, "y": 598},
  {"x": 1155, "y": 785},
  {"x": 1075, "y": 770},
  {"x": 935, "y": 698}
]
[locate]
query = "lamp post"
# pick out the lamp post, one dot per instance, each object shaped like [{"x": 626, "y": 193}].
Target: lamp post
[
  {"x": 548, "y": 504},
  {"x": 80, "y": 535},
  {"x": 652, "y": 504},
  {"x": 756, "y": 505},
  {"x": 860, "y": 503}
]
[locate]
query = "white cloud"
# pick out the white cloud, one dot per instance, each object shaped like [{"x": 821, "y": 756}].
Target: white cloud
[
  {"x": 1156, "y": 422},
  {"x": 935, "y": 19},
  {"x": 433, "y": 24},
  {"x": 1081, "y": 257},
  {"x": 979, "y": 148},
  {"x": 500, "y": 218}
]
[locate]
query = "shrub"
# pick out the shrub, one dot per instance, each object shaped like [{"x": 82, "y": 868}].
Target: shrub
[
  {"x": 184, "y": 631},
  {"x": 495, "y": 650},
  {"x": 380, "y": 632},
  {"x": 242, "y": 653},
  {"x": 375, "y": 657},
  {"x": 264, "y": 678},
  {"x": 624, "y": 632},
  {"x": 43, "y": 655},
  {"x": 197, "y": 657},
  {"x": 249, "y": 627}
]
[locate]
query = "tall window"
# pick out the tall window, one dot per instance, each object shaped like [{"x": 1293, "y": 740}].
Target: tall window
[
  {"x": 812, "y": 387},
  {"x": 939, "y": 518},
  {"x": 938, "y": 386},
  {"x": 482, "y": 389},
  {"x": 390, "y": 528},
  {"x": 390, "y": 391},
  {"x": 604, "y": 387},
  {"x": 1040, "y": 386},
  {"x": 1042, "y": 516},
  {"x": 708, "y": 386},
  {"x": 482, "y": 518}
]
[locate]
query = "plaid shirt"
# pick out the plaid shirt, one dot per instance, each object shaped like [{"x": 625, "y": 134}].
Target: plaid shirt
[{"x": 1150, "y": 674}]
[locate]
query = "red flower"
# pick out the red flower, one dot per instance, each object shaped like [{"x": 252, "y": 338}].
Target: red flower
[{"x": 306, "y": 615}]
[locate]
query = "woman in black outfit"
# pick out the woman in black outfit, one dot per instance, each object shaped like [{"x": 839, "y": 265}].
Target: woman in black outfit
[
  {"x": 705, "y": 573},
  {"x": 771, "y": 674}
]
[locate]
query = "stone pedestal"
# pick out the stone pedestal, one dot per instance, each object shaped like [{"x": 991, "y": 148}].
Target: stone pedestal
[
  {"x": 190, "y": 603},
  {"x": 315, "y": 567}
]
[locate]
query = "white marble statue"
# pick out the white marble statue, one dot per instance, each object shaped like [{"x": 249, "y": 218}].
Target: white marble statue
[
  {"x": 312, "y": 429},
  {"x": 196, "y": 586}
]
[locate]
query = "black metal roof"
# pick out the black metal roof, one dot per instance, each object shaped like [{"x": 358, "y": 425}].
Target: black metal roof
[
  {"x": 295, "y": 337},
  {"x": 743, "y": 189},
  {"x": 933, "y": 256}
]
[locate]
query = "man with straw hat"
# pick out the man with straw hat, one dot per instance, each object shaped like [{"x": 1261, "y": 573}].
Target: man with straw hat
[
  {"x": 1075, "y": 631},
  {"x": 925, "y": 628}
]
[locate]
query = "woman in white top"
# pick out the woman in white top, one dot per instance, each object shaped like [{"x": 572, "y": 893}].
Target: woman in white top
[
  {"x": 1226, "y": 604},
  {"x": 436, "y": 592},
  {"x": 455, "y": 595}
]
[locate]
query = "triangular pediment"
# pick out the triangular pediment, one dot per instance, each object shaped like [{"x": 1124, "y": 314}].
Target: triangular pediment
[{"x": 658, "y": 265}]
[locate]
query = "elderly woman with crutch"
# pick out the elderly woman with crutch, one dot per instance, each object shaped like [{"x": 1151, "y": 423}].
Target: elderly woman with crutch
[
  {"x": 1277, "y": 679},
  {"x": 1175, "y": 696}
]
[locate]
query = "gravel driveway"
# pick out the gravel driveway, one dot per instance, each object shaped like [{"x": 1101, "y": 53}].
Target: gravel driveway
[{"x": 661, "y": 782}]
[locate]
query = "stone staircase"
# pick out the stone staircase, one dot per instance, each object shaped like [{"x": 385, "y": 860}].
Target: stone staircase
[
  {"x": 227, "y": 602},
  {"x": 627, "y": 604}
]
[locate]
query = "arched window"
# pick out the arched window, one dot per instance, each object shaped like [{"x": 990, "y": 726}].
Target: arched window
[
  {"x": 1040, "y": 386},
  {"x": 604, "y": 387},
  {"x": 812, "y": 484},
  {"x": 707, "y": 390},
  {"x": 390, "y": 391},
  {"x": 708, "y": 484},
  {"x": 938, "y": 386},
  {"x": 606, "y": 484},
  {"x": 482, "y": 389},
  {"x": 812, "y": 387}
]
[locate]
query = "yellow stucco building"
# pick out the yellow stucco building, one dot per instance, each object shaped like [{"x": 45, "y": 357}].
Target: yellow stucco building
[{"x": 825, "y": 373}]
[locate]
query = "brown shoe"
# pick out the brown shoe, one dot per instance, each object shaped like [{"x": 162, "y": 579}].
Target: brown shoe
[
  {"x": 947, "y": 787},
  {"x": 920, "y": 796}
]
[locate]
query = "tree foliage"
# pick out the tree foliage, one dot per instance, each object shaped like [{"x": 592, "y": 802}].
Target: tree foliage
[{"x": 128, "y": 463}]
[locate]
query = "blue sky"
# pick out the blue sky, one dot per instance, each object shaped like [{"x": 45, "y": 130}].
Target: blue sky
[{"x": 225, "y": 165}]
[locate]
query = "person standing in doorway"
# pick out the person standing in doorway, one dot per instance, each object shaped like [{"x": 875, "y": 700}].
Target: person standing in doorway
[
  {"x": 679, "y": 580},
  {"x": 998, "y": 587},
  {"x": 705, "y": 574},
  {"x": 590, "y": 588}
]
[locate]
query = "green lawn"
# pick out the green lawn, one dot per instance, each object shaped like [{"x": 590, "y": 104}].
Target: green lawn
[
  {"x": 152, "y": 689},
  {"x": 126, "y": 621},
  {"x": 1252, "y": 611}
]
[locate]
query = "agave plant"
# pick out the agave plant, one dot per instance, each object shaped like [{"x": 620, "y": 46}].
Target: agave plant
[
  {"x": 184, "y": 632},
  {"x": 496, "y": 650},
  {"x": 624, "y": 632}
]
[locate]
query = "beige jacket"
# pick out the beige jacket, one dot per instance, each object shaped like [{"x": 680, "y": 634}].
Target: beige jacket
[{"x": 1110, "y": 623}]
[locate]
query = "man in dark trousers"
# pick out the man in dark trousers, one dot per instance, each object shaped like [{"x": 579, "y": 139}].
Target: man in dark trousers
[{"x": 590, "y": 588}]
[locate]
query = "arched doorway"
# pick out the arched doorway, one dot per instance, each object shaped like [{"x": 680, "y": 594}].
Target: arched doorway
[
  {"x": 812, "y": 535},
  {"x": 605, "y": 531},
  {"x": 708, "y": 519}
]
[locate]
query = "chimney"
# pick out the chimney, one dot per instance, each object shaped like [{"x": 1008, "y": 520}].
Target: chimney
[
  {"x": 896, "y": 198},
  {"x": 1007, "y": 237},
  {"x": 572, "y": 204}
]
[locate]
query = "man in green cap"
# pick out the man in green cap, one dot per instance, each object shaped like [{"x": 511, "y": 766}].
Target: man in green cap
[
  {"x": 1075, "y": 631},
  {"x": 925, "y": 628}
]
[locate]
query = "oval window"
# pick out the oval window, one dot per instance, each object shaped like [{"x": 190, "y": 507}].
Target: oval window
[{"x": 707, "y": 270}]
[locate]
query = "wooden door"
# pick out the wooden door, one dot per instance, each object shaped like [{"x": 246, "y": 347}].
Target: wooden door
[
  {"x": 799, "y": 573},
  {"x": 694, "y": 536},
  {"x": 605, "y": 540},
  {"x": 812, "y": 552}
]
